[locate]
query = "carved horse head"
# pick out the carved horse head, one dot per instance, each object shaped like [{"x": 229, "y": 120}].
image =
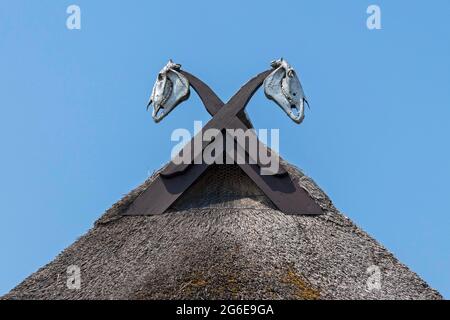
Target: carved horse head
[
  {"x": 284, "y": 88},
  {"x": 171, "y": 88}
]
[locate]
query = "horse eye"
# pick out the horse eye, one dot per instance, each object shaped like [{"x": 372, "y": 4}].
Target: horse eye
[{"x": 160, "y": 76}]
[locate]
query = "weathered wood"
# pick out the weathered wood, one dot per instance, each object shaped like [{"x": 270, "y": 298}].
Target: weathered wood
[
  {"x": 174, "y": 180},
  {"x": 213, "y": 104}
]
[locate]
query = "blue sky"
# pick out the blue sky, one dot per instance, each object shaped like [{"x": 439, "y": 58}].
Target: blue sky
[{"x": 75, "y": 137}]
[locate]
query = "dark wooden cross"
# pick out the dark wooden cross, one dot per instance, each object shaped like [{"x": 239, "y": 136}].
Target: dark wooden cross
[{"x": 281, "y": 188}]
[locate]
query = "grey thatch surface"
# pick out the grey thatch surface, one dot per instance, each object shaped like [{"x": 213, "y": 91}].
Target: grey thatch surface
[{"x": 222, "y": 240}]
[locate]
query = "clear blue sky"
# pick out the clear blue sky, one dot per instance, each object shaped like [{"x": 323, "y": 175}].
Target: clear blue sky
[{"x": 75, "y": 137}]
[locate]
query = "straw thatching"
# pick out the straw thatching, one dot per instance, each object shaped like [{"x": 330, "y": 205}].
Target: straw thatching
[{"x": 225, "y": 240}]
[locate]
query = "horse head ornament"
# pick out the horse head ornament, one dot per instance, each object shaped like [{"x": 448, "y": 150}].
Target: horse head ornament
[
  {"x": 284, "y": 88},
  {"x": 281, "y": 85},
  {"x": 170, "y": 89}
]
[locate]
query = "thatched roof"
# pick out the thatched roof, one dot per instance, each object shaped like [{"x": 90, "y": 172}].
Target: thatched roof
[{"x": 224, "y": 239}]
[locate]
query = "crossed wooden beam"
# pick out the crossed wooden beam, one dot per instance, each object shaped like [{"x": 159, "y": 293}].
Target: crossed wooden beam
[{"x": 281, "y": 188}]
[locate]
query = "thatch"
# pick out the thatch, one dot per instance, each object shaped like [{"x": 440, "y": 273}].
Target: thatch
[{"x": 224, "y": 239}]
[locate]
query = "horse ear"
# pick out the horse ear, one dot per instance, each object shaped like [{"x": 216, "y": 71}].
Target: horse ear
[
  {"x": 173, "y": 65},
  {"x": 276, "y": 63}
]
